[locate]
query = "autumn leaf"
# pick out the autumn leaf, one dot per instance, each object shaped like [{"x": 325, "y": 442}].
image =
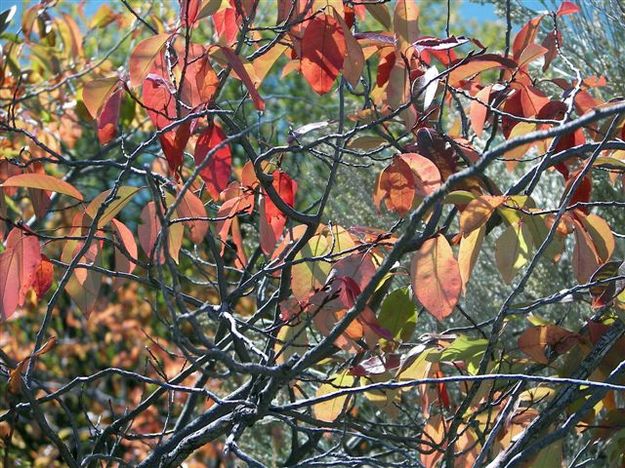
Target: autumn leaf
[
  {"x": 108, "y": 118},
  {"x": 470, "y": 246},
  {"x": 512, "y": 250},
  {"x": 18, "y": 269},
  {"x": 95, "y": 94},
  {"x": 125, "y": 261},
  {"x": 143, "y": 56},
  {"x": 478, "y": 212},
  {"x": 43, "y": 182},
  {"x": 534, "y": 340},
  {"x": 354, "y": 57},
  {"x": 331, "y": 409},
  {"x": 396, "y": 187},
  {"x": 272, "y": 219},
  {"x": 215, "y": 173},
  {"x": 43, "y": 277},
  {"x": 149, "y": 230},
  {"x": 123, "y": 196},
  {"x": 435, "y": 276},
  {"x": 405, "y": 23},
  {"x": 323, "y": 52}
]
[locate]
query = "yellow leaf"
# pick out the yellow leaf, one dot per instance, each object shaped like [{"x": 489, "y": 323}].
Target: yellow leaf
[
  {"x": 331, "y": 409},
  {"x": 43, "y": 182},
  {"x": 512, "y": 251},
  {"x": 467, "y": 255}
]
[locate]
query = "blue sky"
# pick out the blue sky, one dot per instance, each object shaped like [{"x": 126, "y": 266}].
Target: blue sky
[
  {"x": 478, "y": 11},
  {"x": 470, "y": 9}
]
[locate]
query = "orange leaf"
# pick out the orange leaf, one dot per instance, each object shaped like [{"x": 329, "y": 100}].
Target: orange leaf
[
  {"x": 427, "y": 177},
  {"x": 122, "y": 262},
  {"x": 43, "y": 277},
  {"x": 601, "y": 235},
  {"x": 436, "y": 279},
  {"x": 533, "y": 341},
  {"x": 108, "y": 118},
  {"x": 96, "y": 92},
  {"x": 585, "y": 257},
  {"x": 406, "y": 23},
  {"x": 43, "y": 182},
  {"x": 323, "y": 52},
  {"x": 192, "y": 207},
  {"x": 237, "y": 65},
  {"x": 354, "y": 58},
  {"x": 478, "y": 211},
  {"x": 150, "y": 228},
  {"x": 478, "y": 64},
  {"x": 396, "y": 187},
  {"x": 143, "y": 56},
  {"x": 525, "y": 36},
  {"x": 479, "y": 111},
  {"x": 470, "y": 245}
]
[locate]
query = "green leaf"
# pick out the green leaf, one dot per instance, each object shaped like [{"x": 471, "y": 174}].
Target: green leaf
[
  {"x": 398, "y": 314},
  {"x": 466, "y": 349}
]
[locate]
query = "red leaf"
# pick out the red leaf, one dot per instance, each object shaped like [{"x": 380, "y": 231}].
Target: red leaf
[
  {"x": 272, "y": 220},
  {"x": 173, "y": 143},
  {"x": 18, "y": 264},
  {"x": 108, "y": 117},
  {"x": 567, "y": 8},
  {"x": 216, "y": 173},
  {"x": 386, "y": 64},
  {"x": 43, "y": 277},
  {"x": 525, "y": 36},
  {"x": 286, "y": 188},
  {"x": 226, "y": 24},
  {"x": 323, "y": 52},
  {"x": 550, "y": 42},
  {"x": 160, "y": 101},
  {"x": 583, "y": 191},
  {"x": 235, "y": 62},
  {"x": 189, "y": 11}
]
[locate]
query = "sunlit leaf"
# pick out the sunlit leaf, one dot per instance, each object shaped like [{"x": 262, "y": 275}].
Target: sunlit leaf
[
  {"x": 323, "y": 52},
  {"x": 435, "y": 275},
  {"x": 43, "y": 182}
]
